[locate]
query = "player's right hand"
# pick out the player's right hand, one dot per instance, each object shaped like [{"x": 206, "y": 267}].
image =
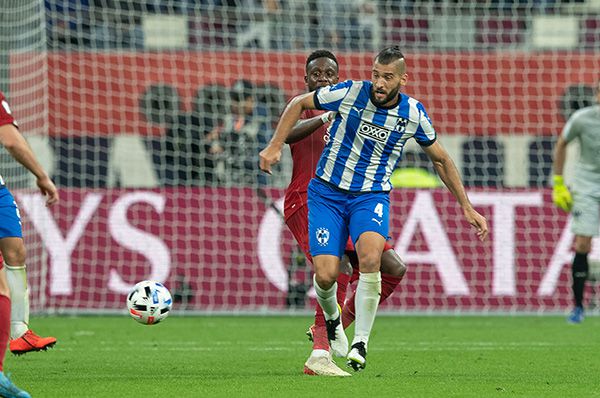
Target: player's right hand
[
  {"x": 48, "y": 189},
  {"x": 560, "y": 194},
  {"x": 269, "y": 156},
  {"x": 328, "y": 116},
  {"x": 478, "y": 221}
]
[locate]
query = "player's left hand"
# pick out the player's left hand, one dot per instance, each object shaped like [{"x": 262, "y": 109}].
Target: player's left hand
[
  {"x": 478, "y": 221},
  {"x": 560, "y": 194},
  {"x": 269, "y": 156}
]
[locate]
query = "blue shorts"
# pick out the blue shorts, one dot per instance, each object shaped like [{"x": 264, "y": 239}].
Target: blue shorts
[
  {"x": 10, "y": 218},
  {"x": 333, "y": 215}
]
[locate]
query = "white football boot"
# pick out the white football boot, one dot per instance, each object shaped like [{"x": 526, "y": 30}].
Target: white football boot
[
  {"x": 357, "y": 358},
  {"x": 323, "y": 366}
]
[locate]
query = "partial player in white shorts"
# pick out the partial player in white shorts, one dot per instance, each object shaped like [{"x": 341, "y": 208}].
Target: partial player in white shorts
[{"x": 586, "y": 214}]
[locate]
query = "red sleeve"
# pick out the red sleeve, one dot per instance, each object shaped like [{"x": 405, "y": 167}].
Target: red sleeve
[{"x": 6, "y": 116}]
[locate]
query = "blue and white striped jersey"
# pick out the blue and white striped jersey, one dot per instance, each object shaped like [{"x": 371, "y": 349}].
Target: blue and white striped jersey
[{"x": 366, "y": 142}]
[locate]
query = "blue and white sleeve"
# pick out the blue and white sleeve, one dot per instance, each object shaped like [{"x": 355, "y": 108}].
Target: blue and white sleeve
[
  {"x": 330, "y": 98},
  {"x": 425, "y": 134}
]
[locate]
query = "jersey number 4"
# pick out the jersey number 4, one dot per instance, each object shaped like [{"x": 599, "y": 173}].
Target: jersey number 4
[{"x": 379, "y": 209}]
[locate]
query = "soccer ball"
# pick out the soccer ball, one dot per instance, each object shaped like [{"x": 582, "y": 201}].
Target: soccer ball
[{"x": 149, "y": 302}]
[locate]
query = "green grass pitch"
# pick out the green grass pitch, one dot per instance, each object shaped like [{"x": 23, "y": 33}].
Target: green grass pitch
[{"x": 216, "y": 356}]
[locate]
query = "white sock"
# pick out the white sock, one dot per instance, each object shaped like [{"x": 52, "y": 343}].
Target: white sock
[
  {"x": 327, "y": 300},
  {"x": 19, "y": 300},
  {"x": 367, "y": 296},
  {"x": 319, "y": 353}
]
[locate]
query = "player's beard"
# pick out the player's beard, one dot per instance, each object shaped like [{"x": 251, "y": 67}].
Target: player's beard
[{"x": 392, "y": 95}]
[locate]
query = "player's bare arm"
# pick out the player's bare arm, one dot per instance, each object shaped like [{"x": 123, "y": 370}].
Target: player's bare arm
[
  {"x": 561, "y": 196},
  {"x": 16, "y": 145},
  {"x": 272, "y": 153},
  {"x": 560, "y": 154},
  {"x": 304, "y": 128},
  {"x": 448, "y": 173}
]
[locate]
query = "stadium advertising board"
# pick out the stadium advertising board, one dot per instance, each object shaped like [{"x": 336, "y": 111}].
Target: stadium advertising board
[{"x": 233, "y": 254}]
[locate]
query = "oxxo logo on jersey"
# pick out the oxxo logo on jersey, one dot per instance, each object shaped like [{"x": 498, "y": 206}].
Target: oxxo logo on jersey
[{"x": 374, "y": 132}]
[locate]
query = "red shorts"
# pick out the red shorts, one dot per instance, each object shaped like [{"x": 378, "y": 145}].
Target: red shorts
[{"x": 298, "y": 225}]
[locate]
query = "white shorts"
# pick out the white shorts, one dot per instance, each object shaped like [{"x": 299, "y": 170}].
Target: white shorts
[{"x": 586, "y": 214}]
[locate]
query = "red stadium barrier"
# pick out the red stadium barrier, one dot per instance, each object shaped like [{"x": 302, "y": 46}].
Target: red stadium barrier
[
  {"x": 465, "y": 93},
  {"x": 234, "y": 254}
]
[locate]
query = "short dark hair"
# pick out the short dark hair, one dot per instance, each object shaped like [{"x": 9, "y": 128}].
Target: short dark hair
[
  {"x": 321, "y": 54},
  {"x": 389, "y": 55}
]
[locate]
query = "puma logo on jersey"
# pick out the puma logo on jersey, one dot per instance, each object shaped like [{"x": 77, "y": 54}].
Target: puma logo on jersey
[
  {"x": 373, "y": 132},
  {"x": 377, "y": 221},
  {"x": 357, "y": 110}
]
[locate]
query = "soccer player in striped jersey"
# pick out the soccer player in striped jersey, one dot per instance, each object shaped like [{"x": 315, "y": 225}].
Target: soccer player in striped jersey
[
  {"x": 349, "y": 195},
  {"x": 583, "y": 126},
  {"x": 23, "y": 339},
  {"x": 307, "y": 140}
]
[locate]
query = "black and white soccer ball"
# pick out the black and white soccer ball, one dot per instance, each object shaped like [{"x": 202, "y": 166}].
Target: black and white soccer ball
[{"x": 149, "y": 302}]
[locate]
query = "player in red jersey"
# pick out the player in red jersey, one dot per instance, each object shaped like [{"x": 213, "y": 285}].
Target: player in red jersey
[
  {"x": 12, "y": 247},
  {"x": 307, "y": 140}
]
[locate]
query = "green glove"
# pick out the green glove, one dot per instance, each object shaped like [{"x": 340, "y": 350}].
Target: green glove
[{"x": 561, "y": 195}]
